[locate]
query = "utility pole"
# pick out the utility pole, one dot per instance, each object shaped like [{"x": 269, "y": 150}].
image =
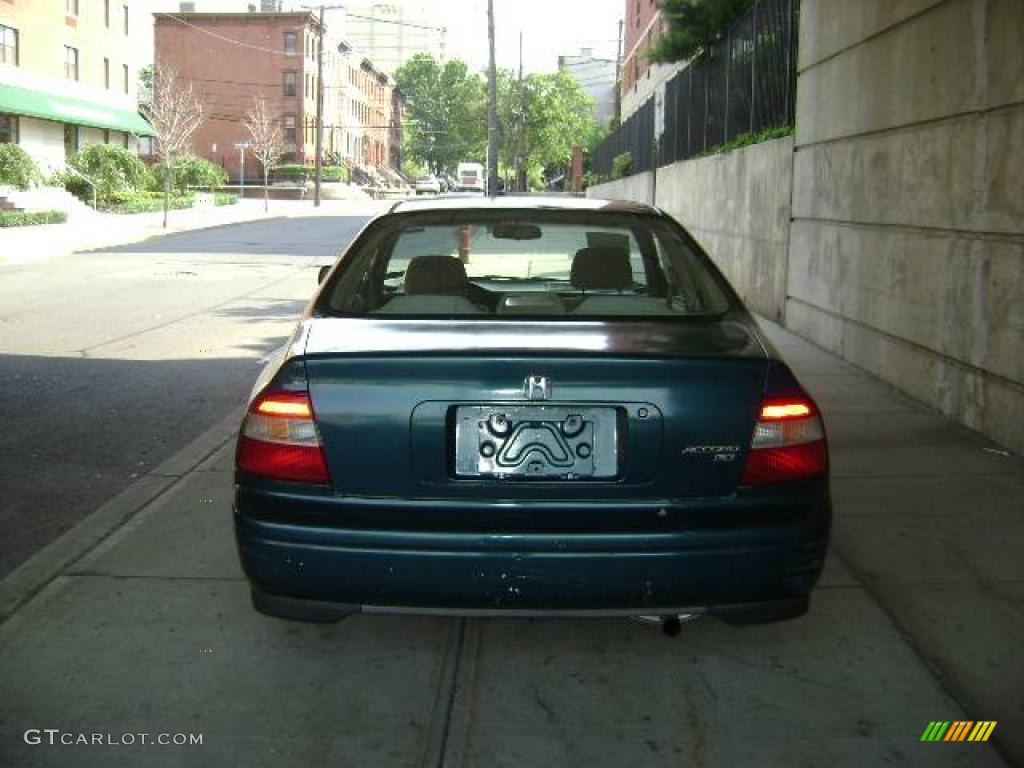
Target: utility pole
[
  {"x": 492, "y": 108},
  {"x": 618, "y": 78},
  {"x": 319, "y": 111},
  {"x": 520, "y": 121}
]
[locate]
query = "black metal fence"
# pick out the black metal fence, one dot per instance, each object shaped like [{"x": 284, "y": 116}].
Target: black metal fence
[
  {"x": 636, "y": 136},
  {"x": 745, "y": 83}
]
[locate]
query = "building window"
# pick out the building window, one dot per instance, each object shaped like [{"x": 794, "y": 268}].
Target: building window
[
  {"x": 289, "y": 83},
  {"x": 289, "y": 42},
  {"x": 106, "y": 13},
  {"x": 106, "y": 136},
  {"x": 124, "y": 140},
  {"x": 8, "y": 46},
  {"x": 126, "y": 20},
  {"x": 106, "y": 73},
  {"x": 125, "y": 70},
  {"x": 8, "y": 129},
  {"x": 70, "y": 63},
  {"x": 71, "y": 7},
  {"x": 289, "y": 130},
  {"x": 70, "y": 139}
]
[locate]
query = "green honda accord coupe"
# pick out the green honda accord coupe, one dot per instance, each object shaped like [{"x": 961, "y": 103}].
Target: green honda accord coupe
[{"x": 530, "y": 406}]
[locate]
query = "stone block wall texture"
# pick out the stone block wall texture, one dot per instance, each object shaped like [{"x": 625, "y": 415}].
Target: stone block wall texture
[
  {"x": 906, "y": 249},
  {"x": 890, "y": 228},
  {"x": 737, "y": 206}
]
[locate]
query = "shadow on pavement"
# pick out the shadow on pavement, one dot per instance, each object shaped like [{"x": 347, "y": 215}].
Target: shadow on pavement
[
  {"x": 313, "y": 236},
  {"x": 77, "y": 431}
]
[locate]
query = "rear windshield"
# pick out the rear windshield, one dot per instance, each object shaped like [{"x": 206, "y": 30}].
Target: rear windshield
[{"x": 578, "y": 265}]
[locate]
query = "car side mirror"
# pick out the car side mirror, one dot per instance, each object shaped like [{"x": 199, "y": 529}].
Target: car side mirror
[{"x": 323, "y": 273}]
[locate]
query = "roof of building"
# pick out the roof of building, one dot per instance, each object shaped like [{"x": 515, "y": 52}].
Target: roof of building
[{"x": 187, "y": 18}]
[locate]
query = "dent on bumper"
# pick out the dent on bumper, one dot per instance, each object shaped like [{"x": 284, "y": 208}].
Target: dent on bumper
[{"x": 532, "y": 572}]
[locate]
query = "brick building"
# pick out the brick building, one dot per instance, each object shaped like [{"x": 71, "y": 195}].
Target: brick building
[
  {"x": 68, "y": 73},
  {"x": 232, "y": 59},
  {"x": 643, "y": 27}
]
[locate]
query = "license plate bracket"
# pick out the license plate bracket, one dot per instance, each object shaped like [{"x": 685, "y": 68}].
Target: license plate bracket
[{"x": 532, "y": 442}]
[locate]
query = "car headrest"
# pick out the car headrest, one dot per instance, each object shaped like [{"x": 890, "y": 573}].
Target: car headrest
[
  {"x": 601, "y": 268},
  {"x": 435, "y": 276}
]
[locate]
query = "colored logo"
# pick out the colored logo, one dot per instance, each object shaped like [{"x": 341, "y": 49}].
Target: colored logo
[{"x": 958, "y": 730}]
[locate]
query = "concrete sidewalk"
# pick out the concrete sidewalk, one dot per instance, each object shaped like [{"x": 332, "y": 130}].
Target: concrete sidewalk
[
  {"x": 929, "y": 517},
  {"x": 92, "y": 230},
  {"x": 918, "y": 617}
]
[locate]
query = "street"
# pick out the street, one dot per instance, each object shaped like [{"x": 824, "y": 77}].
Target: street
[
  {"x": 131, "y": 353},
  {"x": 125, "y": 610}
]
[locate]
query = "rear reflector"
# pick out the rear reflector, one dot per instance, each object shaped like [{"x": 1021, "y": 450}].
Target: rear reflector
[
  {"x": 279, "y": 440},
  {"x": 788, "y": 444}
]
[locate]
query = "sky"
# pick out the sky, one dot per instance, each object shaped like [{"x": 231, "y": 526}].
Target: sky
[{"x": 550, "y": 27}]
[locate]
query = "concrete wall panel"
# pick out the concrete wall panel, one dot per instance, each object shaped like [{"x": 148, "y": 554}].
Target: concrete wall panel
[
  {"x": 834, "y": 25},
  {"x": 737, "y": 205},
  {"x": 919, "y": 71},
  {"x": 636, "y": 188},
  {"x": 956, "y": 296},
  {"x": 1004, "y": 51},
  {"x": 907, "y": 243},
  {"x": 990, "y": 405},
  {"x": 959, "y": 174}
]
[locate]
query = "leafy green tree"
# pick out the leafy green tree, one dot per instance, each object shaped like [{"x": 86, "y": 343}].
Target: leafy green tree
[
  {"x": 695, "y": 24},
  {"x": 542, "y": 118},
  {"x": 446, "y": 112}
]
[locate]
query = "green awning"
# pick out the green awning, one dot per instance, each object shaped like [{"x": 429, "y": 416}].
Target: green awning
[{"x": 63, "y": 109}]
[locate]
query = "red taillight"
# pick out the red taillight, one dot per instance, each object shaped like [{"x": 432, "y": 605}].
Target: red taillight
[
  {"x": 279, "y": 440},
  {"x": 788, "y": 444}
]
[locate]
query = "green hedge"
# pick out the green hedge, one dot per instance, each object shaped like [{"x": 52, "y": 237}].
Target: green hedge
[
  {"x": 149, "y": 202},
  {"x": 334, "y": 173},
  {"x": 21, "y": 218},
  {"x": 297, "y": 172},
  {"x": 290, "y": 172},
  {"x": 17, "y": 168},
  {"x": 190, "y": 171},
  {"x": 114, "y": 169},
  {"x": 224, "y": 198}
]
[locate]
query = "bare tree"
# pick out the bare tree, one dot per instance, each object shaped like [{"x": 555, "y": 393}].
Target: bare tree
[
  {"x": 266, "y": 139},
  {"x": 175, "y": 114}
]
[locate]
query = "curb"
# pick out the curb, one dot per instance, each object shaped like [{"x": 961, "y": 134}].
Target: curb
[
  {"x": 28, "y": 579},
  {"x": 148, "y": 232}
]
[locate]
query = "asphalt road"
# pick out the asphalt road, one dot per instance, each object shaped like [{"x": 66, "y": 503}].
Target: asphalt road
[{"x": 111, "y": 361}]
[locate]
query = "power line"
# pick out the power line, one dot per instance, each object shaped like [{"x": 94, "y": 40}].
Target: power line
[
  {"x": 393, "y": 21},
  {"x": 232, "y": 41}
]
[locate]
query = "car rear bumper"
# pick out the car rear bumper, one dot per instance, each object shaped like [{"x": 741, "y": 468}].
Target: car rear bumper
[{"x": 298, "y": 566}]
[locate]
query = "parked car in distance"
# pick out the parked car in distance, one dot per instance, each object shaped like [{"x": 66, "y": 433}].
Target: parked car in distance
[
  {"x": 428, "y": 185},
  {"x": 530, "y": 406}
]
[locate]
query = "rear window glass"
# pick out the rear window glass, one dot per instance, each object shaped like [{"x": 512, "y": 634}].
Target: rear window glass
[{"x": 526, "y": 265}]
